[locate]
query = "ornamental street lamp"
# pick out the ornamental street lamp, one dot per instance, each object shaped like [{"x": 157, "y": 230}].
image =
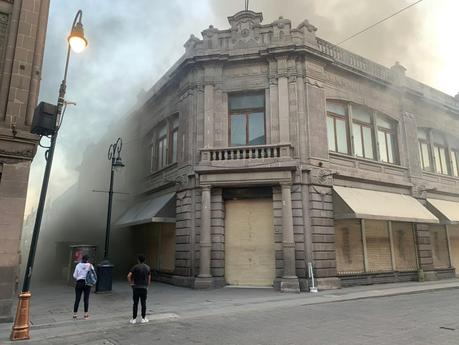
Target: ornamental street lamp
[
  {"x": 105, "y": 268},
  {"x": 76, "y": 42}
]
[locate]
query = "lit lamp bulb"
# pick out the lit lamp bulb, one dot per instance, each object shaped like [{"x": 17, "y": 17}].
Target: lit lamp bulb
[{"x": 76, "y": 39}]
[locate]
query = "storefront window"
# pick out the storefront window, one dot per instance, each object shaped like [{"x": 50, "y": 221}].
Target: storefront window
[
  {"x": 349, "y": 251},
  {"x": 453, "y": 233},
  {"x": 378, "y": 246},
  {"x": 388, "y": 246},
  {"x": 440, "y": 252},
  {"x": 404, "y": 246}
]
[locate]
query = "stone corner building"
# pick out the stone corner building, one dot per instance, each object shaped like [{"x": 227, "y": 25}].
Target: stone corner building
[
  {"x": 22, "y": 38},
  {"x": 266, "y": 150}
]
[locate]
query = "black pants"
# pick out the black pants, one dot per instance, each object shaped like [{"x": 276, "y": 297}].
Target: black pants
[
  {"x": 139, "y": 293},
  {"x": 80, "y": 288}
]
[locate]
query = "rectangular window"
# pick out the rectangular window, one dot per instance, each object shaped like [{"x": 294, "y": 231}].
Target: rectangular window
[
  {"x": 362, "y": 132},
  {"x": 331, "y": 133},
  {"x": 424, "y": 154},
  {"x": 440, "y": 159},
  {"x": 174, "y": 139},
  {"x": 454, "y": 162},
  {"x": 247, "y": 120},
  {"x": 337, "y": 127},
  {"x": 162, "y": 148},
  {"x": 174, "y": 145},
  {"x": 386, "y": 140},
  {"x": 341, "y": 136},
  {"x": 363, "y": 140}
]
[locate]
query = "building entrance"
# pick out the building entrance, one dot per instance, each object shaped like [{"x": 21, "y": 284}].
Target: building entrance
[{"x": 249, "y": 242}]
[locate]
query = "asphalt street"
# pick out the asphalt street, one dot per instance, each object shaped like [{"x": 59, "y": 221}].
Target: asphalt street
[{"x": 422, "y": 318}]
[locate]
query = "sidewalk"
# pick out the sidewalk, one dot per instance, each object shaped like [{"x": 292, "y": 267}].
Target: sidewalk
[{"x": 51, "y": 306}]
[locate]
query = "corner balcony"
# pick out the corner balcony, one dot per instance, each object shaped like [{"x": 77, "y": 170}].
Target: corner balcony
[{"x": 248, "y": 158}]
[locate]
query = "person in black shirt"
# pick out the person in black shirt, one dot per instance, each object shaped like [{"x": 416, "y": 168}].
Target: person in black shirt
[{"x": 139, "y": 277}]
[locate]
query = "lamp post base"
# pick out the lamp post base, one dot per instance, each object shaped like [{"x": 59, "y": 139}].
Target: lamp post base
[{"x": 21, "y": 322}]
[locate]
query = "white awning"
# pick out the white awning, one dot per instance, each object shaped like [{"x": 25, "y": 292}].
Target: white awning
[
  {"x": 449, "y": 210},
  {"x": 160, "y": 209},
  {"x": 368, "y": 204}
]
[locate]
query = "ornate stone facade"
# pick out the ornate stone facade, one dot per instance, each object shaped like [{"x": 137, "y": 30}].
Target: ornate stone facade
[{"x": 296, "y": 73}]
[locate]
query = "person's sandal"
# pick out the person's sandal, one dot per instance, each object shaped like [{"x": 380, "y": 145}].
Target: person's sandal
[{"x": 86, "y": 316}]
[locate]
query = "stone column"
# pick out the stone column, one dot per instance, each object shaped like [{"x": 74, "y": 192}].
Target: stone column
[
  {"x": 289, "y": 281},
  {"x": 204, "y": 279},
  {"x": 284, "y": 112},
  {"x": 209, "y": 103}
]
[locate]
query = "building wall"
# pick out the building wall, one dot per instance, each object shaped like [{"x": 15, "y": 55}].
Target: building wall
[
  {"x": 22, "y": 38},
  {"x": 297, "y": 72}
]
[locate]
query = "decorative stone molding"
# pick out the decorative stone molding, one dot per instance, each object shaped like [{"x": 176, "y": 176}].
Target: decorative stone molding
[
  {"x": 398, "y": 74},
  {"x": 313, "y": 82},
  {"x": 408, "y": 115},
  {"x": 191, "y": 43}
]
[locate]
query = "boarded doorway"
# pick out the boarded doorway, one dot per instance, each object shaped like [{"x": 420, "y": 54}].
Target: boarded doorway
[{"x": 249, "y": 242}]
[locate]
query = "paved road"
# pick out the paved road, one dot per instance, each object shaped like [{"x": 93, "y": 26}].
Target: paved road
[{"x": 425, "y": 318}]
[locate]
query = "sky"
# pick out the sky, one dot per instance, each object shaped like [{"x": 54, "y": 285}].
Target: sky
[{"x": 132, "y": 43}]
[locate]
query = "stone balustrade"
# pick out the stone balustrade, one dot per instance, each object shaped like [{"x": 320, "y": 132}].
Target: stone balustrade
[
  {"x": 353, "y": 60},
  {"x": 244, "y": 153}
]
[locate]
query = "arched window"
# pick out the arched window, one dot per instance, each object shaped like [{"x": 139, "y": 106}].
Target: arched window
[
  {"x": 438, "y": 152},
  {"x": 370, "y": 130}
]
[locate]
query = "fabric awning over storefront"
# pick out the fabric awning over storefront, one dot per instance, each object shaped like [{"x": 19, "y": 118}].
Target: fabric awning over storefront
[
  {"x": 449, "y": 210},
  {"x": 368, "y": 204},
  {"x": 159, "y": 209}
]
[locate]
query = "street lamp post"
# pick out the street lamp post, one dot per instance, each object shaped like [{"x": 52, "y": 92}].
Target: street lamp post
[
  {"x": 76, "y": 42},
  {"x": 105, "y": 268}
]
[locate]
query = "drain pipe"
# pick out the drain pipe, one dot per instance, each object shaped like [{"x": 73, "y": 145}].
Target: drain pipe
[{"x": 313, "y": 288}]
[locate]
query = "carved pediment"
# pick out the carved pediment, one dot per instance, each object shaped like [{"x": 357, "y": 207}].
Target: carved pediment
[{"x": 246, "y": 31}]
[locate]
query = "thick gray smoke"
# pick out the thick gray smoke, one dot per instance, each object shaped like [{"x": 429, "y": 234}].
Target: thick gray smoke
[{"x": 406, "y": 37}]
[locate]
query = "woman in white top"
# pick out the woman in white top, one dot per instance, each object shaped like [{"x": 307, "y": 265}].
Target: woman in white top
[{"x": 81, "y": 270}]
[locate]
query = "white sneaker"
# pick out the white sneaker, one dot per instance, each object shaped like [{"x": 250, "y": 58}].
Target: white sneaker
[
  {"x": 145, "y": 320},
  {"x": 133, "y": 321}
]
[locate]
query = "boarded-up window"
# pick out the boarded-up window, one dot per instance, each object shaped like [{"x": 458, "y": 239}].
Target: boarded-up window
[
  {"x": 378, "y": 246},
  {"x": 439, "y": 246},
  {"x": 453, "y": 231},
  {"x": 404, "y": 247},
  {"x": 349, "y": 249},
  {"x": 157, "y": 242}
]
